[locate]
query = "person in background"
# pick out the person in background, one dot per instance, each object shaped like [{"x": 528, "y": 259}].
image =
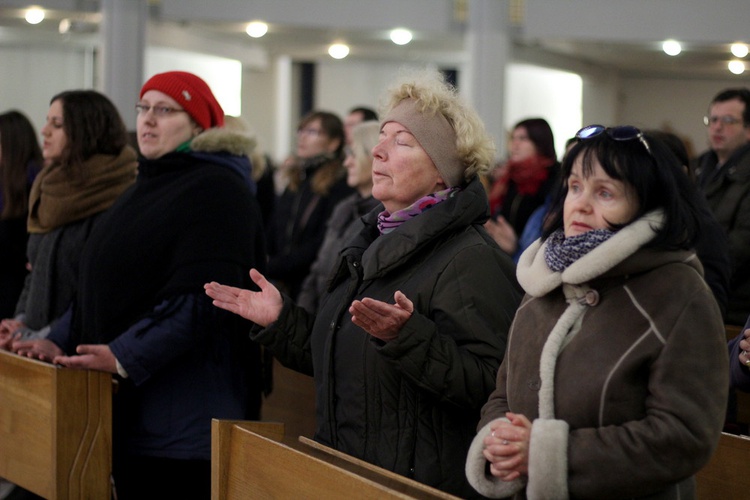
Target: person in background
[
  {"x": 408, "y": 337},
  {"x": 723, "y": 174},
  {"x": 20, "y": 162},
  {"x": 618, "y": 336},
  {"x": 261, "y": 175},
  {"x": 140, "y": 312},
  {"x": 525, "y": 181},
  {"x": 88, "y": 164},
  {"x": 356, "y": 116},
  {"x": 712, "y": 245},
  {"x": 345, "y": 219},
  {"x": 298, "y": 223}
]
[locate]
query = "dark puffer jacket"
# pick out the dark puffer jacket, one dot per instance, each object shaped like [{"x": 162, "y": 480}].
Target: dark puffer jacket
[{"x": 410, "y": 405}]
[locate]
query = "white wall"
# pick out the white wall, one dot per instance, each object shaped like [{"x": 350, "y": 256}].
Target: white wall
[
  {"x": 537, "y": 92},
  {"x": 30, "y": 76}
]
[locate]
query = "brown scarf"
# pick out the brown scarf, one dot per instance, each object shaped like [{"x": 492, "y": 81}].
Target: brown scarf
[{"x": 58, "y": 197}]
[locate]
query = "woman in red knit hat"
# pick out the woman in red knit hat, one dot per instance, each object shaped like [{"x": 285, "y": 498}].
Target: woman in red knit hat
[{"x": 141, "y": 313}]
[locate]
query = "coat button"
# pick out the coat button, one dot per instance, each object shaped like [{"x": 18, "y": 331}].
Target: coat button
[
  {"x": 534, "y": 385},
  {"x": 592, "y": 297}
]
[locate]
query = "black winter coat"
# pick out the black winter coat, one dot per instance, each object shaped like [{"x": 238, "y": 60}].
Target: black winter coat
[{"x": 410, "y": 405}]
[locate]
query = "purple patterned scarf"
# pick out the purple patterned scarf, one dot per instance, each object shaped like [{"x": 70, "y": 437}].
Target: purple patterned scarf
[{"x": 388, "y": 222}]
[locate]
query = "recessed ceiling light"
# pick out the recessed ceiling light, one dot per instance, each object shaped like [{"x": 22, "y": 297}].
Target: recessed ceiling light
[
  {"x": 671, "y": 47},
  {"x": 256, "y": 29},
  {"x": 401, "y": 36},
  {"x": 736, "y": 67},
  {"x": 34, "y": 15},
  {"x": 739, "y": 49},
  {"x": 338, "y": 50}
]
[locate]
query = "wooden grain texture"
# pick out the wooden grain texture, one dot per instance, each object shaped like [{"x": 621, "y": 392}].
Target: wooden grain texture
[
  {"x": 55, "y": 429},
  {"x": 725, "y": 477},
  {"x": 251, "y": 462}
]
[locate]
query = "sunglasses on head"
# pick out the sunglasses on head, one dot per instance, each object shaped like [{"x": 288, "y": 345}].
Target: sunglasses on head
[{"x": 623, "y": 133}]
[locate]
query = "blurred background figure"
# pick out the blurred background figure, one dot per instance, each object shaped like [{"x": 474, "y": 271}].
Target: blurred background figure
[
  {"x": 345, "y": 220},
  {"x": 261, "y": 174},
  {"x": 356, "y": 116},
  {"x": 298, "y": 224},
  {"x": 20, "y": 161},
  {"x": 523, "y": 182}
]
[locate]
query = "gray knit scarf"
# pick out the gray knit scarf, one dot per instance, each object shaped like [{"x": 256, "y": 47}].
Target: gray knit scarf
[{"x": 561, "y": 252}]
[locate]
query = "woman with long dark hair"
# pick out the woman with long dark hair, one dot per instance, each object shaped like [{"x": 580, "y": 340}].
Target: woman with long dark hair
[
  {"x": 20, "y": 161},
  {"x": 87, "y": 165}
]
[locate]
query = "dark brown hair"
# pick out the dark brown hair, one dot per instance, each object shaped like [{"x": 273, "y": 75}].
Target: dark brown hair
[
  {"x": 92, "y": 125},
  {"x": 20, "y": 156}
]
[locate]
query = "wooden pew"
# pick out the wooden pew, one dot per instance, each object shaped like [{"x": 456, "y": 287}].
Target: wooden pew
[
  {"x": 55, "y": 429},
  {"x": 255, "y": 460},
  {"x": 725, "y": 476}
]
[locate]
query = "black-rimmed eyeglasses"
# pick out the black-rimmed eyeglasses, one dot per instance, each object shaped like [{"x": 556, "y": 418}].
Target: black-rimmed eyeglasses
[{"x": 623, "y": 133}]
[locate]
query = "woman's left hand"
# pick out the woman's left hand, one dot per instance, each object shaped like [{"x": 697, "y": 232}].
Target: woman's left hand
[
  {"x": 380, "y": 319},
  {"x": 90, "y": 357},
  {"x": 507, "y": 447}
]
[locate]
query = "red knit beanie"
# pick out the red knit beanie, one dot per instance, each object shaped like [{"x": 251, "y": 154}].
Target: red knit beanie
[{"x": 190, "y": 92}]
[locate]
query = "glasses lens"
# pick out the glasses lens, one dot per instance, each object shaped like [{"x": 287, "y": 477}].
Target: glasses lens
[
  {"x": 624, "y": 133},
  {"x": 590, "y": 131}
]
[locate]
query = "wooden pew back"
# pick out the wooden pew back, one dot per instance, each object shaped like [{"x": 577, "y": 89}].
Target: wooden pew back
[
  {"x": 725, "y": 477},
  {"x": 254, "y": 460},
  {"x": 55, "y": 429}
]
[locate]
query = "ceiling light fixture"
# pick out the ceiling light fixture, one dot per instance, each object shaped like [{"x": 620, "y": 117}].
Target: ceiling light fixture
[
  {"x": 401, "y": 36},
  {"x": 256, "y": 29},
  {"x": 736, "y": 67},
  {"x": 338, "y": 50},
  {"x": 64, "y": 26},
  {"x": 739, "y": 50},
  {"x": 34, "y": 15},
  {"x": 671, "y": 47}
]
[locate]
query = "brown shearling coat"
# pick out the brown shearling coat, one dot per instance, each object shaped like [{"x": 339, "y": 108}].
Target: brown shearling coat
[{"x": 621, "y": 360}]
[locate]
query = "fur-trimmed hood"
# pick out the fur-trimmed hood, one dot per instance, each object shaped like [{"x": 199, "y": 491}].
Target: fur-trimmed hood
[{"x": 214, "y": 140}]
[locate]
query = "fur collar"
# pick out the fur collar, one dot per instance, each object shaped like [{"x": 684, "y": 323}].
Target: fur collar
[
  {"x": 537, "y": 279},
  {"x": 216, "y": 139}
]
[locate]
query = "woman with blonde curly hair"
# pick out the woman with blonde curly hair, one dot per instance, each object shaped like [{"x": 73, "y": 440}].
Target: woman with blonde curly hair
[{"x": 408, "y": 338}]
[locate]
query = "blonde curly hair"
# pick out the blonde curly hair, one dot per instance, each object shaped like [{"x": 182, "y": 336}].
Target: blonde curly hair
[{"x": 433, "y": 94}]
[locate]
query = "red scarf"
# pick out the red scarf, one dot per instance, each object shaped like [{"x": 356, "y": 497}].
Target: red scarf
[{"x": 528, "y": 176}]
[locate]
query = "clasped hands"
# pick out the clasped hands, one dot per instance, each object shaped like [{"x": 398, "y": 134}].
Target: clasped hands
[
  {"x": 506, "y": 448},
  {"x": 379, "y": 319}
]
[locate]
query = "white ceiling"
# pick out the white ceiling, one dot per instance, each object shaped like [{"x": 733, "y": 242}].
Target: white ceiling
[{"x": 643, "y": 57}]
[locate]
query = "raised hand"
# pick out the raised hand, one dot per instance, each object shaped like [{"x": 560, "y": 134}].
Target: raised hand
[
  {"x": 380, "y": 319},
  {"x": 262, "y": 308}
]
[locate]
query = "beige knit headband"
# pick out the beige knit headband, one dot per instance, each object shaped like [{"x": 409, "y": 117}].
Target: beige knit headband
[{"x": 435, "y": 135}]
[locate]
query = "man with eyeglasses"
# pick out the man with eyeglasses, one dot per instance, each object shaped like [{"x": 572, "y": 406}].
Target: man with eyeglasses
[{"x": 723, "y": 174}]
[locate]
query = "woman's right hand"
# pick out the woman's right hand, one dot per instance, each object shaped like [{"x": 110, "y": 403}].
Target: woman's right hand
[{"x": 262, "y": 308}]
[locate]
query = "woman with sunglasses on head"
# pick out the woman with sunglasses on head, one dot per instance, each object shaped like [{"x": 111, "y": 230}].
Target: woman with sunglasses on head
[
  {"x": 140, "y": 312},
  {"x": 614, "y": 383}
]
